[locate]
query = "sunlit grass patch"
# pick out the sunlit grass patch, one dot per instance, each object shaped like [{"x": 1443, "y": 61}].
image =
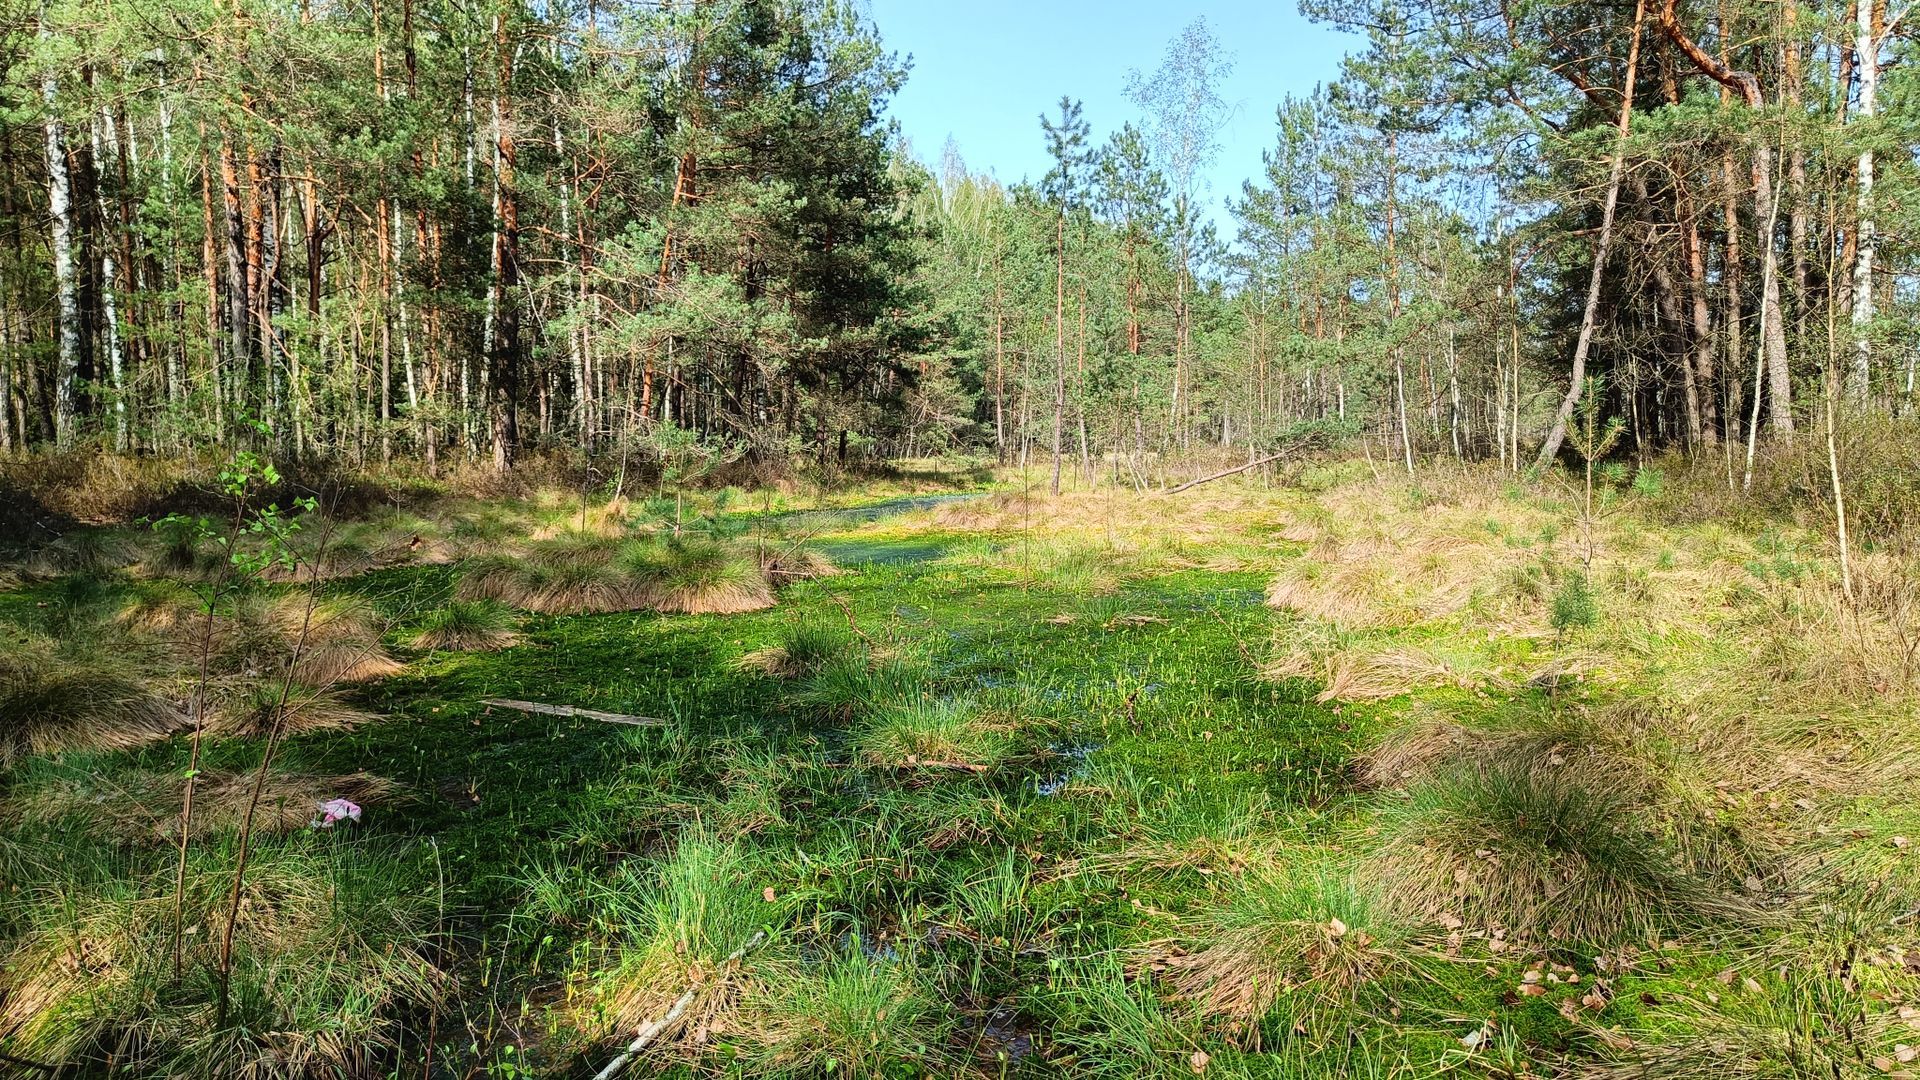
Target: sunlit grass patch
[
  {"x": 49, "y": 704},
  {"x": 1317, "y": 932},
  {"x": 332, "y": 957},
  {"x": 702, "y": 577},
  {"x": 1169, "y": 833},
  {"x": 1104, "y": 1022},
  {"x": 316, "y": 641},
  {"x": 1790, "y": 1023},
  {"x": 802, "y": 648},
  {"x": 577, "y": 574},
  {"x": 674, "y": 924},
  {"x": 857, "y": 682},
  {"x": 1542, "y": 844},
  {"x": 466, "y": 626},
  {"x": 851, "y": 1014},
  {"x": 919, "y": 732},
  {"x": 260, "y": 709}
]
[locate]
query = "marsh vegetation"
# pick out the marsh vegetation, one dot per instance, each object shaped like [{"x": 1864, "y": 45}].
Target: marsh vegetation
[{"x": 1316, "y": 773}]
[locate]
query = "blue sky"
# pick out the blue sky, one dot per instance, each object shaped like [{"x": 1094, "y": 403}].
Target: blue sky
[{"x": 984, "y": 70}]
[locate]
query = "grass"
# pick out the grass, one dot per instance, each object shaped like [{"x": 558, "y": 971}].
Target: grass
[
  {"x": 332, "y": 953},
  {"x": 49, "y": 705},
  {"x": 929, "y": 733},
  {"x": 851, "y": 1014},
  {"x": 1318, "y": 936},
  {"x": 1537, "y": 849},
  {"x": 143, "y": 806},
  {"x": 466, "y": 626},
  {"x": 1031, "y": 787}
]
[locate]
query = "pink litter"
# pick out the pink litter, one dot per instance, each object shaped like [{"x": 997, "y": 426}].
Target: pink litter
[{"x": 336, "y": 810}]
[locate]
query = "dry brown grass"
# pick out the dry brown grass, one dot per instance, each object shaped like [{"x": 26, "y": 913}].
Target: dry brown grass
[
  {"x": 328, "y": 956},
  {"x": 1375, "y": 674},
  {"x": 319, "y": 643},
  {"x": 1315, "y": 935},
  {"x": 774, "y": 660},
  {"x": 144, "y": 806},
  {"x": 252, "y": 712},
  {"x": 49, "y": 705},
  {"x": 786, "y": 564},
  {"x": 712, "y": 596}
]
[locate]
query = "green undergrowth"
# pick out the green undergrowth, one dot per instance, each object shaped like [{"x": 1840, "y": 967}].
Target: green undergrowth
[{"x": 986, "y": 802}]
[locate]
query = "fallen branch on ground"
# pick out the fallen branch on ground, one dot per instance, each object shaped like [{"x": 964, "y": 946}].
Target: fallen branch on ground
[
  {"x": 963, "y": 766},
  {"x": 570, "y": 710},
  {"x": 1238, "y": 469},
  {"x": 1235, "y": 471},
  {"x": 652, "y": 1028}
]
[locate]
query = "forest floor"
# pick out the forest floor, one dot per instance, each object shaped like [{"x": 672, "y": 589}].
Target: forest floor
[{"x": 1359, "y": 776}]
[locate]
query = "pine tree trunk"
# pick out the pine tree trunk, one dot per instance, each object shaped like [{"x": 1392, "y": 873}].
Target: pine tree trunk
[
  {"x": 505, "y": 361},
  {"x": 1589, "y": 317},
  {"x": 1060, "y": 343},
  {"x": 1779, "y": 386}
]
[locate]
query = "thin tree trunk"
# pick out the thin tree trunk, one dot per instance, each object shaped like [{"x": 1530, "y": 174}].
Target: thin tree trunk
[
  {"x": 60, "y": 220},
  {"x": 1550, "y": 449},
  {"x": 1060, "y": 343},
  {"x": 1779, "y": 386},
  {"x": 109, "y": 283},
  {"x": 505, "y": 366},
  {"x": 1867, "y": 62}
]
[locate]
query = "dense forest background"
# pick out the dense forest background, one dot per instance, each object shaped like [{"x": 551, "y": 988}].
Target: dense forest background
[{"x": 425, "y": 230}]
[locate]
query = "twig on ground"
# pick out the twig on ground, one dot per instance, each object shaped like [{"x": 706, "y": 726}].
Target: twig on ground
[
  {"x": 1238, "y": 469},
  {"x": 570, "y": 710},
  {"x": 855, "y": 626},
  {"x": 652, "y": 1028}
]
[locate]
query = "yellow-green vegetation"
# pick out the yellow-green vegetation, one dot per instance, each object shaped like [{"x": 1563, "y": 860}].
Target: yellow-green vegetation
[{"x": 1352, "y": 775}]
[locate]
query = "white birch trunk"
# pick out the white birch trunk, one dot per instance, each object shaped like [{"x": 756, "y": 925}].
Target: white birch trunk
[{"x": 60, "y": 213}]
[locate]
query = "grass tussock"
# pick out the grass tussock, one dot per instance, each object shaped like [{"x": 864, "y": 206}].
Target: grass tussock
[
  {"x": 1543, "y": 845},
  {"x": 1314, "y": 933},
  {"x": 858, "y": 682},
  {"x": 577, "y": 574},
  {"x": 319, "y": 643},
  {"x": 785, "y": 564},
  {"x": 803, "y": 648},
  {"x": 258, "y": 710},
  {"x": 930, "y": 732},
  {"x": 702, "y": 577},
  {"x": 332, "y": 958},
  {"x": 466, "y": 626},
  {"x": 83, "y": 551},
  {"x": 49, "y": 705},
  {"x": 1781, "y": 1024},
  {"x": 680, "y": 919},
  {"x": 854, "y": 1014}
]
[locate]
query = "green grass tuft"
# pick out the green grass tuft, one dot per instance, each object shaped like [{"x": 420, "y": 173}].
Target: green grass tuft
[{"x": 466, "y": 626}]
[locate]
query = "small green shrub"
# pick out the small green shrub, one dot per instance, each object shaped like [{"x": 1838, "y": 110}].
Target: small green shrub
[{"x": 1575, "y": 607}]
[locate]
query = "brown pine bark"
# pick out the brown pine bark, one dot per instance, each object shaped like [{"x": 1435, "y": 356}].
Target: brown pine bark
[
  {"x": 504, "y": 364},
  {"x": 1774, "y": 337}
]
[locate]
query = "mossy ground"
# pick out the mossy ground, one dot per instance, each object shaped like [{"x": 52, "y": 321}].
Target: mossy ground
[{"x": 1137, "y": 771}]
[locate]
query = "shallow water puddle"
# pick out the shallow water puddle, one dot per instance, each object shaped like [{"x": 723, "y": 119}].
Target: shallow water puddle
[{"x": 1074, "y": 757}]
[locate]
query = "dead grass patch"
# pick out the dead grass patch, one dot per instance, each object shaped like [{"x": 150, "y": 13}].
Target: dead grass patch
[
  {"x": 253, "y": 712},
  {"x": 144, "y": 806},
  {"x": 1312, "y": 934},
  {"x": 49, "y": 705}
]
